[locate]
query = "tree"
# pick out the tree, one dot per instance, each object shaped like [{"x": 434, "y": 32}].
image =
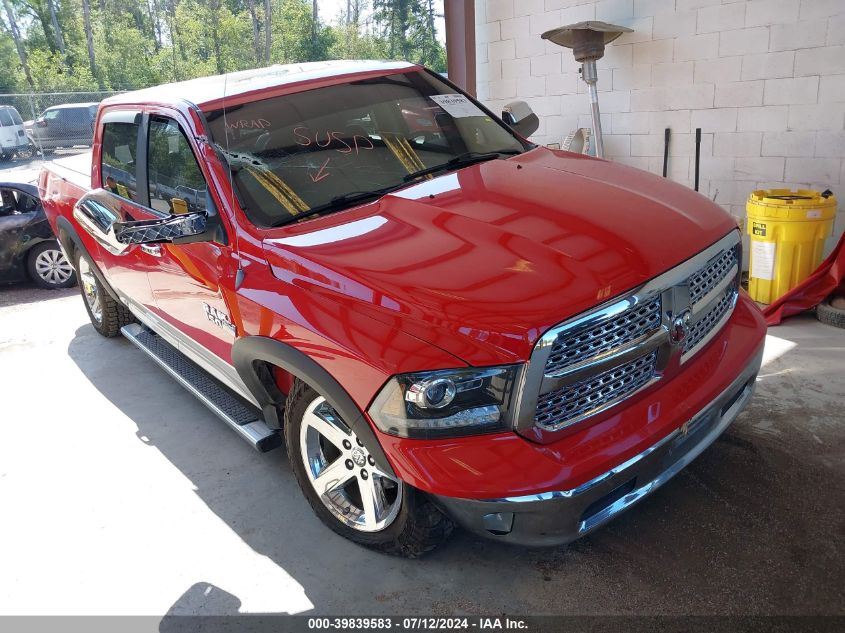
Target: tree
[
  {"x": 57, "y": 30},
  {"x": 256, "y": 31},
  {"x": 268, "y": 30},
  {"x": 67, "y": 45},
  {"x": 13, "y": 27},
  {"x": 89, "y": 37},
  {"x": 408, "y": 26}
]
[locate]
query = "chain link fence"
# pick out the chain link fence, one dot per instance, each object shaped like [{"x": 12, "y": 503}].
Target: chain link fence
[{"x": 33, "y": 124}]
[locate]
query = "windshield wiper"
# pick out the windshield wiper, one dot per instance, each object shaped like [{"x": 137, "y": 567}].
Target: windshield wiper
[
  {"x": 339, "y": 202},
  {"x": 461, "y": 160}
]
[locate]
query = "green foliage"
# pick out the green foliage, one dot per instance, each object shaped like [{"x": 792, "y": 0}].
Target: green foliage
[
  {"x": 11, "y": 76},
  {"x": 139, "y": 43}
]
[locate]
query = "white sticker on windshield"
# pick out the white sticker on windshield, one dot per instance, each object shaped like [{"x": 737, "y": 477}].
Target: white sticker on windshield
[{"x": 457, "y": 105}]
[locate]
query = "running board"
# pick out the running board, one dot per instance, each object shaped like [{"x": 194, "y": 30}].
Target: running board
[{"x": 244, "y": 419}]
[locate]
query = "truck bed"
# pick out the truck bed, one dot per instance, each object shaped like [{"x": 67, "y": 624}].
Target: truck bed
[{"x": 76, "y": 170}]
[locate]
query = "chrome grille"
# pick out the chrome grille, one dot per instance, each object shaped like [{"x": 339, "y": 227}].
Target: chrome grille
[
  {"x": 702, "y": 327},
  {"x": 598, "y": 359},
  {"x": 568, "y": 405},
  {"x": 574, "y": 347},
  {"x": 711, "y": 275}
]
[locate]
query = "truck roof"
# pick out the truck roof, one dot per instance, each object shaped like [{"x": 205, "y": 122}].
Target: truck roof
[
  {"x": 209, "y": 91},
  {"x": 63, "y": 106}
]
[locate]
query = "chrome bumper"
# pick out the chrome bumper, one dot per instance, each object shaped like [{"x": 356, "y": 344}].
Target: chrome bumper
[{"x": 557, "y": 517}]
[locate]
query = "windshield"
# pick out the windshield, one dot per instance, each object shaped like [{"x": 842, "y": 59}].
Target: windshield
[
  {"x": 6, "y": 117},
  {"x": 293, "y": 153}
]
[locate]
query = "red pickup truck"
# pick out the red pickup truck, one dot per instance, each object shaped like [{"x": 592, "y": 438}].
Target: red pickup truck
[{"x": 444, "y": 326}]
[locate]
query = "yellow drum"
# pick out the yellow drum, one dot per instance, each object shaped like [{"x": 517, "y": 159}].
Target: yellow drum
[{"x": 788, "y": 230}]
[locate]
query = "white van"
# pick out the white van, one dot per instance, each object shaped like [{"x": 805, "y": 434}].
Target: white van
[{"x": 13, "y": 139}]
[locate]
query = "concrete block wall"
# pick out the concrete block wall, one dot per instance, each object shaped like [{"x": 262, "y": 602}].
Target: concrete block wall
[{"x": 763, "y": 79}]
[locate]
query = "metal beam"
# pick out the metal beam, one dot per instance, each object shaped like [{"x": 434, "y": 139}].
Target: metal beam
[{"x": 460, "y": 42}]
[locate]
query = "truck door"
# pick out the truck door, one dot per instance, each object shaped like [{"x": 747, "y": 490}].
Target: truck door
[
  {"x": 187, "y": 279},
  {"x": 13, "y": 221},
  {"x": 119, "y": 166}
]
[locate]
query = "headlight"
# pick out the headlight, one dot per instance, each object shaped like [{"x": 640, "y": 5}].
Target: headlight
[{"x": 447, "y": 403}]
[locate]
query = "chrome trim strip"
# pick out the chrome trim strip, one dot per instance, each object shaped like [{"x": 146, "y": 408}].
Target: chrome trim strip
[
  {"x": 603, "y": 362},
  {"x": 685, "y": 356},
  {"x": 202, "y": 356},
  {"x": 632, "y": 497},
  {"x": 707, "y": 301},
  {"x": 603, "y": 407},
  {"x": 673, "y": 286},
  {"x": 596, "y": 317}
]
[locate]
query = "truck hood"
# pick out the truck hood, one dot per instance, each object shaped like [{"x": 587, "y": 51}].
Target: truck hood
[{"x": 482, "y": 261}]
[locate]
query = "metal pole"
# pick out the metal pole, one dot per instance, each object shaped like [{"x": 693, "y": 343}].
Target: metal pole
[
  {"x": 460, "y": 43},
  {"x": 590, "y": 76}
]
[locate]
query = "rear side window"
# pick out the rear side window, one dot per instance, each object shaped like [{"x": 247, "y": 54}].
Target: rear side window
[
  {"x": 119, "y": 151},
  {"x": 176, "y": 182},
  {"x": 77, "y": 116}
]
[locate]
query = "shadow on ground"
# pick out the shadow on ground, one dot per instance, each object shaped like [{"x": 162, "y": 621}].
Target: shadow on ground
[
  {"x": 22, "y": 293},
  {"x": 753, "y": 526}
]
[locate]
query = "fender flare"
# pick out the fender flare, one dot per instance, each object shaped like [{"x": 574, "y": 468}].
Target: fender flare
[
  {"x": 249, "y": 349},
  {"x": 71, "y": 242}
]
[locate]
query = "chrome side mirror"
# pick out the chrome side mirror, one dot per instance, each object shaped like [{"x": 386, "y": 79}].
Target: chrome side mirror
[
  {"x": 176, "y": 227},
  {"x": 521, "y": 119},
  {"x": 97, "y": 216},
  {"x": 100, "y": 214}
]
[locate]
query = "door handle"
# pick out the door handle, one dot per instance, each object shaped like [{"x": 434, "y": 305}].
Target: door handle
[{"x": 151, "y": 249}]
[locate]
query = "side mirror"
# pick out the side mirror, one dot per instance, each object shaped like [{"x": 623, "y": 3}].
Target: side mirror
[
  {"x": 521, "y": 119},
  {"x": 176, "y": 228},
  {"x": 100, "y": 214}
]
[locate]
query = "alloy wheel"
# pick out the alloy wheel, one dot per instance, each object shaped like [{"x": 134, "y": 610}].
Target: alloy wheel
[
  {"x": 344, "y": 475},
  {"x": 90, "y": 290},
  {"x": 52, "y": 267}
]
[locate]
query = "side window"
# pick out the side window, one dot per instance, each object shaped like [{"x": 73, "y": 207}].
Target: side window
[
  {"x": 120, "y": 145},
  {"x": 74, "y": 117},
  {"x": 8, "y": 204},
  {"x": 176, "y": 182},
  {"x": 25, "y": 203}
]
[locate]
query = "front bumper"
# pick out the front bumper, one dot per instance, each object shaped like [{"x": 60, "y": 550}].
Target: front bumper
[
  {"x": 11, "y": 148},
  {"x": 557, "y": 517}
]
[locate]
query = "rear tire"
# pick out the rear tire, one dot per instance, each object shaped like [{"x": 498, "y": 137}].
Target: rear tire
[
  {"x": 107, "y": 315},
  {"x": 409, "y": 525}
]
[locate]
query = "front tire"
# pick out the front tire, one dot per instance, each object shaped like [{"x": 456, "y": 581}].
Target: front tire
[
  {"x": 107, "y": 315},
  {"x": 48, "y": 268},
  {"x": 347, "y": 490}
]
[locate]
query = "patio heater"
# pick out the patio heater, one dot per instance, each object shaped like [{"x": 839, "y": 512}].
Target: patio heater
[{"x": 587, "y": 41}]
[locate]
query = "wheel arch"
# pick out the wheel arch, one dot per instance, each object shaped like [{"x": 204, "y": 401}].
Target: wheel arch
[
  {"x": 35, "y": 241},
  {"x": 71, "y": 243},
  {"x": 249, "y": 352}
]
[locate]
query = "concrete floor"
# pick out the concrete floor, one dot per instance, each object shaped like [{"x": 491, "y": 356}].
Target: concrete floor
[{"x": 120, "y": 494}]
